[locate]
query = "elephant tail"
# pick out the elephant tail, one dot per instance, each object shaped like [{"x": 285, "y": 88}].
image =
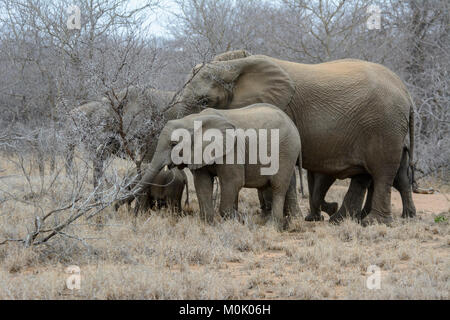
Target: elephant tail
[
  {"x": 415, "y": 186},
  {"x": 411, "y": 145},
  {"x": 299, "y": 164},
  {"x": 411, "y": 135}
]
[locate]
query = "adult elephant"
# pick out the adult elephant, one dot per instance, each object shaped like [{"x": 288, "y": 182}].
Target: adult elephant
[
  {"x": 353, "y": 116},
  {"x": 319, "y": 183},
  {"x": 118, "y": 125}
]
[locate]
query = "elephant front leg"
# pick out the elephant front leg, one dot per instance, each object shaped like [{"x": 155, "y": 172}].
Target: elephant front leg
[
  {"x": 203, "y": 183},
  {"x": 231, "y": 179},
  {"x": 278, "y": 210},
  {"x": 229, "y": 197}
]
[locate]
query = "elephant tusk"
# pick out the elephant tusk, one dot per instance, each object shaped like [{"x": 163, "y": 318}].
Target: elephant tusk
[{"x": 162, "y": 185}]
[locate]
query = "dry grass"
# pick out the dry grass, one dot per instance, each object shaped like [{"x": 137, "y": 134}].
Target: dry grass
[{"x": 159, "y": 256}]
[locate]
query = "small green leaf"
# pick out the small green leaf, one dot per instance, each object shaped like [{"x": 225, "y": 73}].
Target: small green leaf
[{"x": 439, "y": 219}]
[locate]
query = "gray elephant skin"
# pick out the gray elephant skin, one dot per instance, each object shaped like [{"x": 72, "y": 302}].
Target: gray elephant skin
[
  {"x": 120, "y": 136},
  {"x": 353, "y": 116},
  {"x": 165, "y": 191},
  {"x": 233, "y": 177}
]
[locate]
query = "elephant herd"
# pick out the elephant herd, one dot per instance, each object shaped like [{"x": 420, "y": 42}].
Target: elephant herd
[{"x": 340, "y": 119}]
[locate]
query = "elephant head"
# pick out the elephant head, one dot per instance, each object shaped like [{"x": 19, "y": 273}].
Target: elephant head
[
  {"x": 228, "y": 83},
  {"x": 179, "y": 135},
  {"x": 119, "y": 124},
  {"x": 126, "y": 123}
]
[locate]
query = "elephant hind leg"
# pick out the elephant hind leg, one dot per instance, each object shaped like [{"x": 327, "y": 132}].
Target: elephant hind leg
[
  {"x": 381, "y": 201},
  {"x": 280, "y": 200},
  {"x": 318, "y": 185},
  {"x": 203, "y": 183},
  {"x": 329, "y": 207},
  {"x": 278, "y": 210},
  {"x": 353, "y": 200},
  {"x": 402, "y": 183},
  {"x": 291, "y": 207},
  {"x": 383, "y": 165}
]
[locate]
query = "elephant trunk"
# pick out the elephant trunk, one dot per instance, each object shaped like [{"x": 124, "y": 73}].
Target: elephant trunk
[
  {"x": 176, "y": 111},
  {"x": 154, "y": 168}
]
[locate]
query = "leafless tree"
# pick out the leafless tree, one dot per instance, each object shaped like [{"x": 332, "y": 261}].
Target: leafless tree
[{"x": 47, "y": 70}]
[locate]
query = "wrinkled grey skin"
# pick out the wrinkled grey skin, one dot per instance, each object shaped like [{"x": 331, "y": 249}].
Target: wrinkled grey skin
[
  {"x": 319, "y": 183},
  {"x": 165, "y": 191},
  {"x": 233, "y": 177},
  {"x": 139, "y": 106},
  {"x": 353, "y": 116},
  {"x": 353, "y": 200}
]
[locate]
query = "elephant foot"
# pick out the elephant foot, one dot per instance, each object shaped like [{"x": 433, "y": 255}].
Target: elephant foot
[
  {"x": 282, "y": 225},
  {"x": 314, "y": 217},
  {"x": 408, "y": 213},
  {"x": 294, "y": 212},
  {"x": 329, "y": 207},
  {"x": 362, "y": 214},
  {"x": 375, "y": 217},
  {"x": 337, "y": 218},
  {"x": 207, "y": 219}
]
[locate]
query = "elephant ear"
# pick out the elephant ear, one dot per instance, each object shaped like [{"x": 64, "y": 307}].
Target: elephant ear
[
  {"x": 260, "y": 80},
  {"x": 216, "y": 151},
  {"x": 231, "y": 55}
]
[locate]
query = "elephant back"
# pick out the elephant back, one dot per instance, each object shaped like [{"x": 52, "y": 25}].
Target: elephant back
[{"x": 232, "y": 55}]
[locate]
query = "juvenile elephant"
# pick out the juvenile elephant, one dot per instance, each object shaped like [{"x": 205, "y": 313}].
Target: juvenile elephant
[
  {"x": 236, "y": 175},
  {"x": 165, "y": 191},
  {"x": 353, "y": 116},
  {"x": 118, "y": 126}
]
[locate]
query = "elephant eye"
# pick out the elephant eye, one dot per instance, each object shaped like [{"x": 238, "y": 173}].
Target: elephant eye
[{"x": 203, "y": 101}]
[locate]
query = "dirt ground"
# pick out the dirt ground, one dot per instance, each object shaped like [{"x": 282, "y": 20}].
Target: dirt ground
[{"x": 162, "y": 256}]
